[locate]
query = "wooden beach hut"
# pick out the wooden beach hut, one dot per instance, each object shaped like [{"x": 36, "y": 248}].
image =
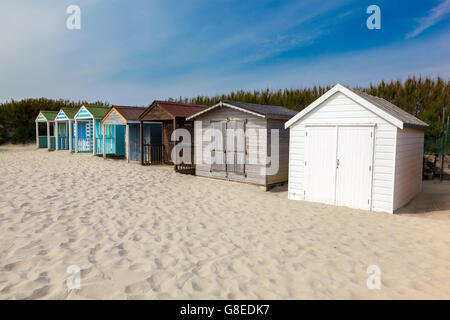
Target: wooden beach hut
[
  {"x": 88, "y": 128},
  {"x": 64, "y": 129},
  {"x": 242, "y": 142},
  {"x": 172, "y": 115},
  {"x": 122, "y": 132},
  {"x": 351, "y": 149},
  {"x": 46, "y": 141}
]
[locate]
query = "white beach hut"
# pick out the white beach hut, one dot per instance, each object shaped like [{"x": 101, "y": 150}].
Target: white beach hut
[{"x": 352, "y": 149}]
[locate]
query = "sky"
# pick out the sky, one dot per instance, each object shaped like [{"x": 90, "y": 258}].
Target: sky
[{"x": 133, "y": 52}]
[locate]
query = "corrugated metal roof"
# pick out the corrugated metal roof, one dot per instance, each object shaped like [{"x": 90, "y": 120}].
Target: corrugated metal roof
[
  {"x": 130, "y": 113},
  {"x": 409, "y": 121}
]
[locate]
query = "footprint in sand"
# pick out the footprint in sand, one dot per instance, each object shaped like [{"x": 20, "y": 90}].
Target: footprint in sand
[
  {"x": 13, "y": 266},
  {"x": 39, "y": 293},
  {"x": 201, "y": 284},
  {"x": 138, "y": 287}
]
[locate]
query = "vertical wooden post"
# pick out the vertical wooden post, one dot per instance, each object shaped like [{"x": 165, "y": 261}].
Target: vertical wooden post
[
  {"x": 37, "y": 134},
  {"x": 76, "y": 136},
  {"x": 163, "y": 139},
  {"x": 114, "y": 141},
  {"x": 70, "y": 136},
  {"x": 104, "y": 141},
  {"x": 94, "y": 136},
  {"x": 174, "y": 161},
  {"x": 127, "y": 140},
  {"x": 141, "y": 133},
  {"x": 48, "y": 135},
  {"x": 55, "y": 129}
]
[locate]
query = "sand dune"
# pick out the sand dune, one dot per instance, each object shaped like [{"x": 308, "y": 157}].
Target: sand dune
[{"x": 148, "y": 233}]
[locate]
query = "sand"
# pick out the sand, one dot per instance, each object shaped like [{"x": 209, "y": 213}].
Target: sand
[{"x": 148, "y": 233}]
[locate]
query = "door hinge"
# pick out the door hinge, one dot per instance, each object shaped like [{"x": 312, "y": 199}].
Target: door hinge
[
  {"x": 304, "y": 192},
  {"x": 368, "y": 201},
  {"x": 305, "y": 163},
  {"x": 306, "y": 133},
  {"x": 371, "y": 134},
  {"x": 370, "y": 168}
]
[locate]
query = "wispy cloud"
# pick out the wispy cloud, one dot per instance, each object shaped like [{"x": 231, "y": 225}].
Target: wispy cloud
[
  {"x": 132, "y": 54},
  {"x": 435, "y": 15}
]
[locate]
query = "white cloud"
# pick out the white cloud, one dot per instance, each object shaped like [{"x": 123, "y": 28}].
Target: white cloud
[{"x": 436, "y": 15}]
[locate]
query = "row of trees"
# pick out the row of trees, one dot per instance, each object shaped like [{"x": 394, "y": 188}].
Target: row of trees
[
  {"x": 17, "y": 117},
  {"x": 423, "y": 97}
]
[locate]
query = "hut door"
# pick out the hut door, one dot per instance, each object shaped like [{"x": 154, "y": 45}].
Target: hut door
[
  {"x": 134, "y": 142},
  {"x": 235, "y": 146},
  {"x": 354, "y": 167},
  {"x": 320, "y": 164},
  {"x": 218, "y": 146}
]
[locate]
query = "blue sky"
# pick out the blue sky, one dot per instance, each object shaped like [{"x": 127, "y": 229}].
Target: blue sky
[{"x": 132, "y": 52}]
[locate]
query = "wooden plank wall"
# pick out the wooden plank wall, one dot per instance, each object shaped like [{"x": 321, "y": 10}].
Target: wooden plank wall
[
  {"x": 283, "y": 171},
  {"x": 254, "y": 173}
]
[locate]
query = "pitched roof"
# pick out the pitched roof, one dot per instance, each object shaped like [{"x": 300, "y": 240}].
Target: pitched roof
[
  {"x": 98, "y": 111},
  {"x": 384, "y": 109},
  {"x": 130, "y": 113},
  {"x": 262, "y": 110},
  {"x": 409, "y": 121},
  {"x": 49, "y": 115},
  {"x": 70, "y": 112},
  {"x": 175, "y": 109}
]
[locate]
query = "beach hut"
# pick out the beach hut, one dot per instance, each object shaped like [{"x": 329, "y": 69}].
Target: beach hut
[
  {"x": 352, "y": 149},
  {"x": 64, "y": 129},
  {"x": 88, "y": 129},
  {"x": 171, "y": 115},
  {"x": 121, "y": 125},
  {"x": 47, "y": 141},
  {"x": 242, "y": 142}
]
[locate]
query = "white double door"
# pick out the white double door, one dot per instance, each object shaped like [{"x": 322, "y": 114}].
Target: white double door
[{"x": 338, "y": 165}]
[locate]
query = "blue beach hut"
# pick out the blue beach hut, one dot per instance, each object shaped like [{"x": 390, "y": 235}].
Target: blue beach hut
[
  {"x": 122, "y": 132},
  {"x": 64, "y": 129},
  {"x": 88, "y": 128}
]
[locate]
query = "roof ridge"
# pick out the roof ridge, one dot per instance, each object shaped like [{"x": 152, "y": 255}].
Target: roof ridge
[{"x": 178, "y": 103}]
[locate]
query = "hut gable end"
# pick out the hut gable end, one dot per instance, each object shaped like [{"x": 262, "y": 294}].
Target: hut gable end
[{"x": 156, "y": 113}]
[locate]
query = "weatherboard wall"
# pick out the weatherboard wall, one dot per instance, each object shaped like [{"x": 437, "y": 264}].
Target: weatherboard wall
[
  {"x": 339, "y": 109},
  {"x": 408, "y": 165},
  {"x": 256, "y": 143}
]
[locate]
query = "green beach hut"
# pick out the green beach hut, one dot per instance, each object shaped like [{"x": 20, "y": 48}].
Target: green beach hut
[{"x": 47, "y": 141}]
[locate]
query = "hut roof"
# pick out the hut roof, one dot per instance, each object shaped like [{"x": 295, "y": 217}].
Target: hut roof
[
  {"x": 262, "y": 110},
  {"x": 130, "y": 113},
  {"x": 175, "y": 109},
  {"x": 49, "y": 115},
  {"x": 70, "y": 112},
  {"x": 98, "y": 111},
  {"x": 384, "y": 109},
  {"x": 409, "y": 121}
]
